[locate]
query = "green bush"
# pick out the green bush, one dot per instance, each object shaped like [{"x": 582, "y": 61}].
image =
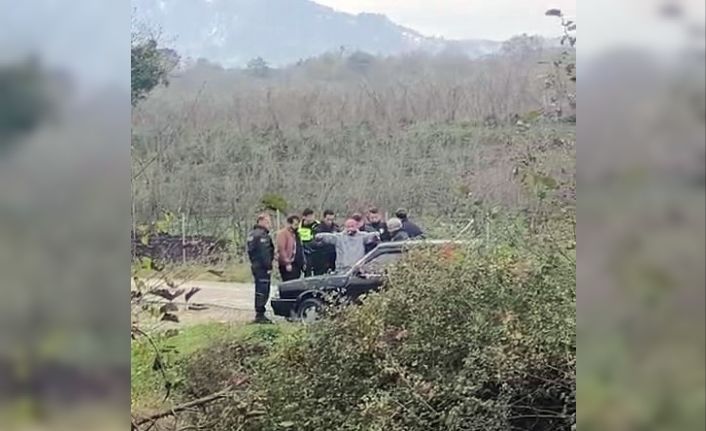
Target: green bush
[{"x": 483, "y": 340}]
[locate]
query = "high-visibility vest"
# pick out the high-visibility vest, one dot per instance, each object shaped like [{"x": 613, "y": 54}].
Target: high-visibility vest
[{"x": 306, "y": 234}]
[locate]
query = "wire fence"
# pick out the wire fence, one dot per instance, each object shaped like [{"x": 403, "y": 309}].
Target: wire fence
[{"x": 221, "y": 237}]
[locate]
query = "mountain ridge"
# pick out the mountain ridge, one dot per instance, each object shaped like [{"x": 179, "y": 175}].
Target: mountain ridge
[{"x": 232, "y": 32}]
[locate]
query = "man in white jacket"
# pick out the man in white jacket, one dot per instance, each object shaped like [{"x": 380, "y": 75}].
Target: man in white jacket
[{"x": 350, "y": 244}]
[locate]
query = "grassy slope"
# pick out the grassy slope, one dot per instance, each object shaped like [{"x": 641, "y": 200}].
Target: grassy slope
[{"x": 148, "y": 385}]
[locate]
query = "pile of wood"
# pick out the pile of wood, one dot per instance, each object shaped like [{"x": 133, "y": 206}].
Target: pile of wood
[{"x": 169, "y": 248}]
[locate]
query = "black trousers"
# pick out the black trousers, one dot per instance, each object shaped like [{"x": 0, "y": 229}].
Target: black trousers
[
  {"x": 324, "y": 264},
  {"x": 309, "y": 264},
  {"x": 262, "y": 279},
  {"x": 295, "y": 273}
]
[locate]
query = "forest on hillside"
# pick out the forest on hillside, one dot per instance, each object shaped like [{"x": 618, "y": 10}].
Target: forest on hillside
[{"x": 443, "y": 135}]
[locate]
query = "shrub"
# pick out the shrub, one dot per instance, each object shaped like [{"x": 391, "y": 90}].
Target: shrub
[
  {"x": 482, "y": 341},
  {"x": 231, "y": 363}
]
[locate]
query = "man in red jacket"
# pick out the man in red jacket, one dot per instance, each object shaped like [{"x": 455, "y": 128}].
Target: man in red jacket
[{"x": 290, "y": 254}]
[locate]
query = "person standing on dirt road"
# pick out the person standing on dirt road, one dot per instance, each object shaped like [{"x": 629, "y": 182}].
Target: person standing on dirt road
[
  {"x": 290, "y": 254},
  {"x": 261, "y": 252},
  {"x": 350, "y": 244},
  {"x": 306, "y": 232}
]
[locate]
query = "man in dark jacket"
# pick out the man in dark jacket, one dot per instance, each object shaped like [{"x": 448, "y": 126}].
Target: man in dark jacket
[
  {"x": 306, "y": 231},
  {"x": 325, "y": 254},
  {"x": 408, "y": 226},
  {"x": 376, "y": 224},
  {"x": 261, "y": 252}
]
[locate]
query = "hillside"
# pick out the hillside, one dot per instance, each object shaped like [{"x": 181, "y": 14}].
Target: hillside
[{"x": 232, "y": 32}]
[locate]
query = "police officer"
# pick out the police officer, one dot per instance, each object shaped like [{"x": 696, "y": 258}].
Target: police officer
[
  {"x": 261, "y": 252},
  {"x": 306, "y": 231},
  {"x": 325, "y": 254}
]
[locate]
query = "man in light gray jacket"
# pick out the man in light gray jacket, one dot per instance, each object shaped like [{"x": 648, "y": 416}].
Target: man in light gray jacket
[{"x": 350, "y": 244}]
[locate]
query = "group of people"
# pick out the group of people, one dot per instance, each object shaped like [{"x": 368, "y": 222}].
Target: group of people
[{"x": 307, "y": 246}]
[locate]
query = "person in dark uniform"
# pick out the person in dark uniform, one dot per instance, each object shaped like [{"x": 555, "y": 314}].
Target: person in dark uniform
[
  {"x": 408, "y": 226},
  {"x": 306, "y": 231},
  {"x": 325, "y": 254},
  {"x": 261, "y": 252}
]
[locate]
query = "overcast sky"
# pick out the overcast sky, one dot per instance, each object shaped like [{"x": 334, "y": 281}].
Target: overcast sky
[{"x": 459, "y": 19}]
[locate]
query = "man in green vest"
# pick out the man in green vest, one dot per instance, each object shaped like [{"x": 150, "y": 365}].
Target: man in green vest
[{"x": 306, "y": 235}]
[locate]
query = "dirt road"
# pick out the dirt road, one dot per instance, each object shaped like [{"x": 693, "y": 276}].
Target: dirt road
[{"x": 224, "y": 302}]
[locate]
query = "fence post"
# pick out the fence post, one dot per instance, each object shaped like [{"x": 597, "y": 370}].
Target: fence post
[
  {"x": 487, "y": 230},
  {"x": 234, "y": 227},
  {"x": 245, "y": 244},
  {"x": 183, "y": 239}
]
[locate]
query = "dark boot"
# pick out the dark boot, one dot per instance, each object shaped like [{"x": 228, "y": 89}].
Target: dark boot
[{"x": 262, "y": 320}]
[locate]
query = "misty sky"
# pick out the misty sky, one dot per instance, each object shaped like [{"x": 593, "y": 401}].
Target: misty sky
[{"x": 459, "y": 19}]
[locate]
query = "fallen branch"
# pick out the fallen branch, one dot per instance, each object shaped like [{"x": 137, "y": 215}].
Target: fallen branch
[
  {"x": 158, "y": 357},
  {"x": 462, "y": 231},
  {"x": 185, "y": 406}
]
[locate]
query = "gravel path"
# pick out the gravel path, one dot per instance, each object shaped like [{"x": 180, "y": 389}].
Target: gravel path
[{"x": 225, "y": 302}]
